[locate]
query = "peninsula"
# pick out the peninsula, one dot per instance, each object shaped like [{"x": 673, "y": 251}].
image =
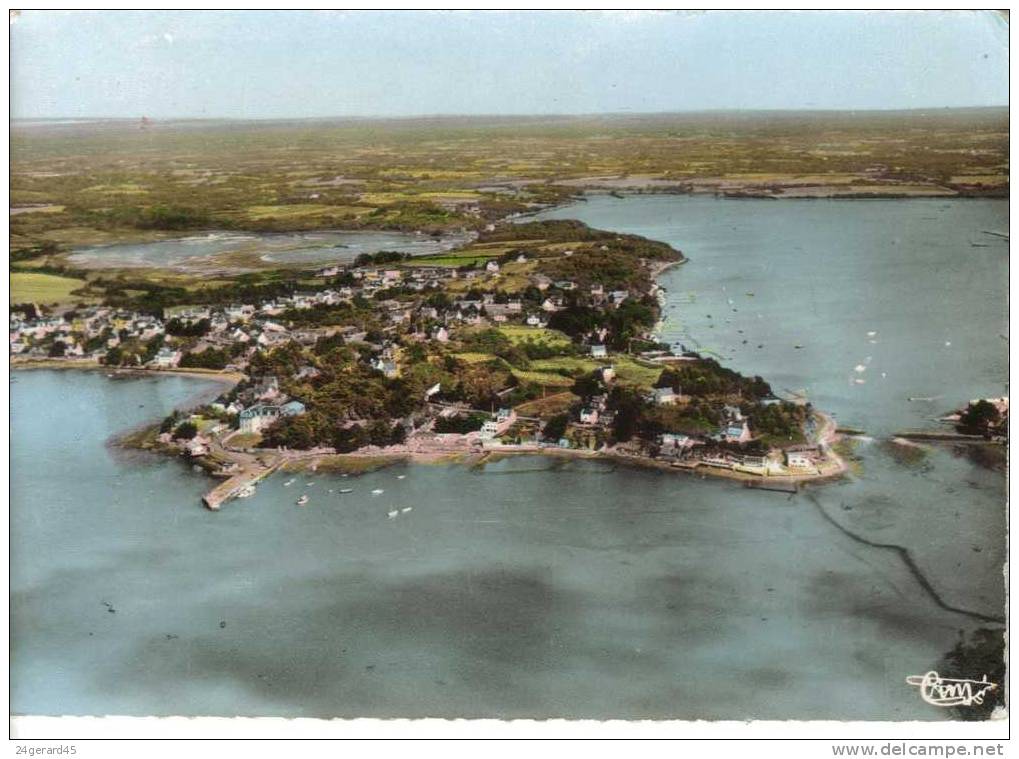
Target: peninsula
[
  {"x": 536, "y": 337},
  {"x": 381, "y": 292}
]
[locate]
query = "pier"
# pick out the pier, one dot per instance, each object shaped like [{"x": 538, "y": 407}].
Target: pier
[
  {"x": 229, "y": 489},
  {"x": 938, "y": 436}
]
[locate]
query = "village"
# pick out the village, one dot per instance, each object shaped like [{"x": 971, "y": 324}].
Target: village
[{"x": 396, "y": 357}]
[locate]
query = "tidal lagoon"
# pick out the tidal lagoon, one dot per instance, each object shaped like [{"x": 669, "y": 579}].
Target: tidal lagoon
[
  {"x": 236, "y": 252},
  {"x": 535, "y": 587}
]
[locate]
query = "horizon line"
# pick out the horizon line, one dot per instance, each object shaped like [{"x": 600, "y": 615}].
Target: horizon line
[{"x": 585, "y": 114}]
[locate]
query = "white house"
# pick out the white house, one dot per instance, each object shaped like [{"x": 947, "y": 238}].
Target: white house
[
  {"x": 166, "y": 358},
  {"x": 799, "y": 460},
  {"x": 388, "y": 368},
  {"x": 492, "y": 267},
  {"x": 256, "y": 418},
  {"x": 664, "y": 396},
  {"x": 589, "y": 416},
  {"x": 674, "y": 443},
  {"x": 599, "y": 351},
  {"x": 196, "y": 446}
]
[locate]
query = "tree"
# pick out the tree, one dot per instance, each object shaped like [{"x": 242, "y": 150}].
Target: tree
[
  {"x": 380, "y": 432},
  {"x": 58, "y": 349},
  {"x": 114, "y": 356},
  {"x": 170, "y": 422},
  {"x": 152, "y": 348},
  {"x": 460, "y": 424},
  {"x": 296, "y": 432},
  {"x": 979, "y": 416},
  {"x": 349, "y": 439},
  {"x": 576, "y": 320},
  {"x": 628, "y": 406},
  {"x": 180, "y": 328},
  {"x": 555, "y": 427},
  {"x": 210, "y": 358},
  {"x": 587, "y": 385},
  {"x": 398, "y": 435},
  {"x": 185, "y": 431}
]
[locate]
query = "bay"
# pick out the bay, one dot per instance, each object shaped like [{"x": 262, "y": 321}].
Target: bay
[{"x": 538, "y": 587}]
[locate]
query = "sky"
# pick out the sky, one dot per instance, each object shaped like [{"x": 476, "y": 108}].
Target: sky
[{"x": 298, "y": 64}]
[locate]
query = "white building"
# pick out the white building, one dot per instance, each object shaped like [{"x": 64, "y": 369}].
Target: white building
[
  {"x": 799, "y": 460},
  {"x": 256, "y": 418},
  {"x": 664, "y": 396},
  {"x": 166, "y": 358}
]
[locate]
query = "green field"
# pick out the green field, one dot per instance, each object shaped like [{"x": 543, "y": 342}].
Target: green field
[
  {"x": 520, "y": 334},
  {"x": 30, "y": 287},
  {"x": 475, "y": 358},
  {"x": 572, "y": 364},
  {"x": 451, "y": 259},
  {"x": 544, "y": 379},
  {"x": 111, "y": 180},
  {"x": 628, "y": 370}
]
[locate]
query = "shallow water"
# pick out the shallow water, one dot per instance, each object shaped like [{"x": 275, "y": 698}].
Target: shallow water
[
  {"x": 531, "y": 587},
  {"x": 277, "y": 249},
  {"x": 826, "y": 274}
]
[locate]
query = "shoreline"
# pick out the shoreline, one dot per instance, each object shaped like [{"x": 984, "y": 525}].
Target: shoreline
[
  {"x": 88, "y": 365},
  {"x": 716, "y": 187},
  {"x": 381, "y": 457},
  {"x": 273, "y": 460}
]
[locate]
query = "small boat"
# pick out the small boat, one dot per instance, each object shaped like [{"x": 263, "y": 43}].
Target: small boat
[
  {"x": 400, "y": 476},
  {"x": 405, "y": 509},
  {"x": 378, "y": 491},
  {"x": 347, "y": 490},
  {"x": 302, "y": 500},
  {"x": 288, "y": 483},
  {"x": 392, "y": 514},
  {"x": 246, "y": 492}
]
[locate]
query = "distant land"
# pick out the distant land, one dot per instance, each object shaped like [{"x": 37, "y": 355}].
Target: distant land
[{"x": 78, "y": 182}]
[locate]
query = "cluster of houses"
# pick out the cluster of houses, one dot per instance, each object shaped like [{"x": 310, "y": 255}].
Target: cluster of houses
[
  {"x": 261, "y": 405},
  {"x": 83, "y": 333},
  {"x": 90, "y": 332},
  {"x": 694, "y": 450}
]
